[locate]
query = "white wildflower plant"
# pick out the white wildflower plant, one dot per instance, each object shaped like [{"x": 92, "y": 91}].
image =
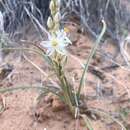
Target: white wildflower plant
[{"x": 57, "y": 43}]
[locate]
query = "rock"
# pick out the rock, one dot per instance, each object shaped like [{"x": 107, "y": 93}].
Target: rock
[
  {"x": 57, "y": 105},
  {"x": 82, "y": 123}
]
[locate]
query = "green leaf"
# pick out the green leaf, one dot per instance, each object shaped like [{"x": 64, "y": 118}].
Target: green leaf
[{"x": 90, "y": 58}]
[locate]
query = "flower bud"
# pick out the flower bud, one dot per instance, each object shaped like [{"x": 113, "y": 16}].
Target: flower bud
[
  {"x": 57, "y": 3},
  {"x": 52, "y": 7},
  {"x": 50, "y": 23},
  {"x": 56, "y": 27},
  {"x": 57, "y": 17}
]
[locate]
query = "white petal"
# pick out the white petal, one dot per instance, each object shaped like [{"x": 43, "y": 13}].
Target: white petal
[
  {"x": 67, "y": 40},
  {"x": 49, "y": 36},
  {"x": 50, "y": 52},
  {"x": 61, "y": 51},
  {"x": 61, "y": 45},
  {"x": 46, "y": 45},
  {"x": 44, "y": 42}
]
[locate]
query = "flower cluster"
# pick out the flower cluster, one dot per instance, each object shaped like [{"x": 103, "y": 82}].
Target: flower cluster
[
  {"x": 57, "y": 39},
  {"x": 56, "y": 43}
]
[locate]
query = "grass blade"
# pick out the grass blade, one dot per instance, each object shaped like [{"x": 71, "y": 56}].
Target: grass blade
[
  {"x": 36, "y": 51},
  {"x": 90, "y": 57}
]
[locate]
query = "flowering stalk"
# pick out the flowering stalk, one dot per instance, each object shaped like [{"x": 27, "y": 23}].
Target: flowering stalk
[
  {"x": 56, "y": 50},
  {"x": 55, "y": 46}
]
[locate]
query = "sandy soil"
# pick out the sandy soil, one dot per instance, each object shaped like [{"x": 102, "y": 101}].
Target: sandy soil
[{"x": 107, "y": 91}]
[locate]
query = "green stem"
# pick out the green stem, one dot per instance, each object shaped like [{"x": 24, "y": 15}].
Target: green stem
[
  {"x": 67, "y": 94},
  {"x": 66, "y": 88}
]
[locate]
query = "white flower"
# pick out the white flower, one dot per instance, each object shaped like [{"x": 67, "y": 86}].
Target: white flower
[{"x": 56, "y": 43}]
